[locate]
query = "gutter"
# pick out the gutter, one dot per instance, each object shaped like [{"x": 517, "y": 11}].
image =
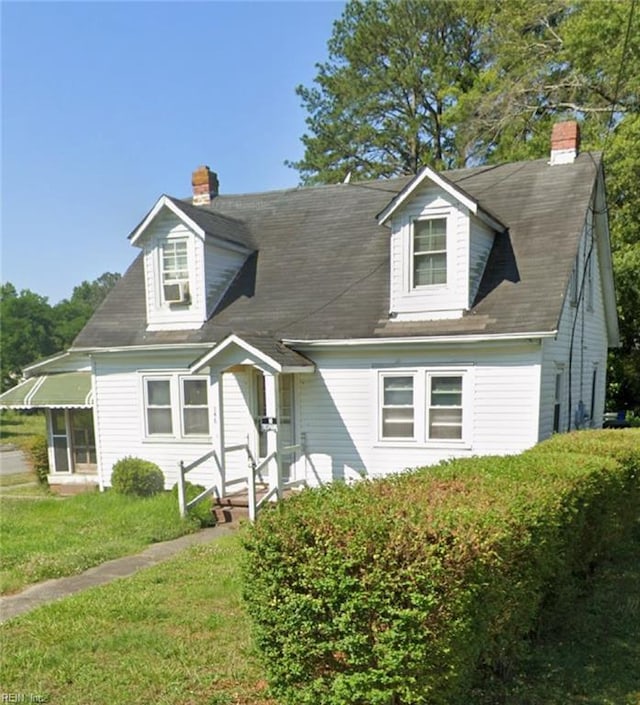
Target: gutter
[{"x": 423, "y": 340}]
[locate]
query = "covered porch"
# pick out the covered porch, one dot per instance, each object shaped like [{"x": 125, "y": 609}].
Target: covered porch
[
  {"x": 259, "y": 449},
  {"x": 67, "y": 400}
]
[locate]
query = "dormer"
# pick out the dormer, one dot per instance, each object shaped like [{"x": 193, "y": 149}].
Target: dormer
[
  {"x": 440, "y": 243},
  {"x": 191, "y": 256}
]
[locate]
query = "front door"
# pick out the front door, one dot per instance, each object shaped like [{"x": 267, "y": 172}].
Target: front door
[{"x": 285, "y": 420}]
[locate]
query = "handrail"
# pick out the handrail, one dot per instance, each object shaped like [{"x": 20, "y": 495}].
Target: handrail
[{"x": 253, "y": 469}]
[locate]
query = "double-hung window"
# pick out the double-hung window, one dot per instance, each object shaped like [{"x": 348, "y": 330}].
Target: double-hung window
[
  {"x": 158, "y": 406},
  {"x": 444, "y": 407},
  {"x": 429, "y": 252},
  {"x": 397, "y": 412},
  {"x": 195, "y": 407},
  {"x": 176, "y": 406},
  {"x": 175, "y": 271}
]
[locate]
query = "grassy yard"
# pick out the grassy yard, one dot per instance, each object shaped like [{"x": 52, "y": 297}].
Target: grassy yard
[
  {"x": 178, "y": 633},
  {"x": 175, "y": 633},
  {"x": 48, "y": 537},
  {"x": 19, "y": 427}
]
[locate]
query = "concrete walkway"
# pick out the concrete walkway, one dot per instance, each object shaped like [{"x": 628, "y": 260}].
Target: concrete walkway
[{"x": 50, "y": 590}]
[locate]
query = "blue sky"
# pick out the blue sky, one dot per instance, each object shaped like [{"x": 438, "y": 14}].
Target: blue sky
[{"x": 107, "y": 105}]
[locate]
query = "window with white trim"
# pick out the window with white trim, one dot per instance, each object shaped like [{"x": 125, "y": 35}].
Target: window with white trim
[
  {"x": 397, "y": 408},
  {"x": 158, "y": 412},
  {"x": 195, "y": 406},
  {"x": 175, "y": 272},
  {"x": 444, "y": 408},
  {"x": 429, "y": 242},
  {"x": 176, "y": 406}
]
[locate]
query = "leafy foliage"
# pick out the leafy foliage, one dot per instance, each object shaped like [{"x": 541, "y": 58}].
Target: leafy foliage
[
  {"x": 33, "y": 329},
  {"x": 203, "y": 510},
  {"x": 454, "y": 83},
  {"x": 134, "y": 476},
  {"x": 39, "y": 457},
  {"x": 398, "y": 590}
]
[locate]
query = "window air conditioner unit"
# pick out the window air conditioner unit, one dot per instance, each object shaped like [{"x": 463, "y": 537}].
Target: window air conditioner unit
[{"x": 176, "y": 292}]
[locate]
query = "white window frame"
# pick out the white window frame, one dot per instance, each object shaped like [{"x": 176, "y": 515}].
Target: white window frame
[
  {"x": 146, "y": 405},
  {"x": 435, "y": 215},
  {"x": 176, "y": 396},
  {"x": 172, "y": 276},
  {"x": 421, "y": 401},
  {"x": 431, "y": 375},
  {"x": 183, "y": 405},
  {"x": 389, "y": 374}
]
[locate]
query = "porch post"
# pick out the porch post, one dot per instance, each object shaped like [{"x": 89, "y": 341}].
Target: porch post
[
  {"x": 218, "y": 425},
  {"x": 271, "y": 408}
]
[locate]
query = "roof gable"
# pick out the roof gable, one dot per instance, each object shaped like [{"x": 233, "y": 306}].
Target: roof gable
[
  {"x": 203, "y": 223},
  {"x": 454, "y": 190}
]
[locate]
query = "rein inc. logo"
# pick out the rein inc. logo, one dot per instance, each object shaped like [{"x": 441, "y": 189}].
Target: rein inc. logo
[{"x": 23, "y": 698}]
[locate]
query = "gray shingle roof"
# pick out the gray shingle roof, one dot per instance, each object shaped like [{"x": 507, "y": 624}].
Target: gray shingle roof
[{"x": 321, "y": 265}]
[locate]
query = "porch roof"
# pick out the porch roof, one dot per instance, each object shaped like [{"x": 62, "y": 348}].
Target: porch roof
[
  {"x": 65, "y": 390},
  {"x": 272, "y": 352}
]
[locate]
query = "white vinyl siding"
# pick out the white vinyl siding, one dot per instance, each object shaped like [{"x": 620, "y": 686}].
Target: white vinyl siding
[
  {"x": 589, "y": 350},
  {"x": 340, "y": 407},
  {"x": 221, "y": 266},
  {"x": 429, "y": 248}
]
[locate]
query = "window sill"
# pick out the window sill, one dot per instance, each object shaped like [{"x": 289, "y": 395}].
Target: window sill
[
  {"x": 181, "y": 440},
  {"x": 424, "y": 445}
]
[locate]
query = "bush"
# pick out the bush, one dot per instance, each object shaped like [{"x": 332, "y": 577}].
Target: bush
[
  {"x": 134, "y": 476},
  {"x": 37, "y": 452},
  {"x": 400, "y": 590},
  {"x": 202, "y": 511}
]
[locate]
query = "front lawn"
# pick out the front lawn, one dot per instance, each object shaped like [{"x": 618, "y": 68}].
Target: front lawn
[
  {"x": 174, "y": 633},
  {"x": 179, "y": 633},
  {"x": 49, "y": 537}
]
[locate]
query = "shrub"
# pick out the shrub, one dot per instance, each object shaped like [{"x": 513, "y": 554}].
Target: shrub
[
  {"x": 134, "y": 476},
  {"x": 399, "y": 590},
  {"x": 202, "y": 511},
  {"x": 37, "y": 452}
]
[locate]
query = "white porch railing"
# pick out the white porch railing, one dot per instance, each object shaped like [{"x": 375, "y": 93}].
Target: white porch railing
[{"x": 275, "y": 482}]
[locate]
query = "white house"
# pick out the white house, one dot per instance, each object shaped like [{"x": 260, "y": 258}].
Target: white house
[{"x": 344, "y": 331}]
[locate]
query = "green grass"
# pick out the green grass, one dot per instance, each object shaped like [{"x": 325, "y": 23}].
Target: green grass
[
  {"x": 50, "y": 537},
  {"x": 21, "y": 478},
  {"x": 175, "y": 633},
  {"x": 593, "y": 657},
  {"x": 178, "y": 633},
  {"x": 19, "y": 427}
]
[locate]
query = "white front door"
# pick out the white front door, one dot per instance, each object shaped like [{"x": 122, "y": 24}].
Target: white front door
[{"x": 285, "y": 420}]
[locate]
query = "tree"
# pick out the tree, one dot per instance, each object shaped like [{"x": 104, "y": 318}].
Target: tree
[
  {"x": 383, "y": 100},
  {"x": 32, "y": 329},
  {"x": 72, "y": 314},
  {"x": 446, "y": 83},
  {"x": 27, "y": 332}
]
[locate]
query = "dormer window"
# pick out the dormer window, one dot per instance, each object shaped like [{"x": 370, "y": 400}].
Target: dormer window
[
  {"x": 175, "y": 272},
  {"x": 429, "y": 252}
]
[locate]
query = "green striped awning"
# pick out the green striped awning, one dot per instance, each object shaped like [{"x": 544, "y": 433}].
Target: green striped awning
[{"x": 65, "y": 390}]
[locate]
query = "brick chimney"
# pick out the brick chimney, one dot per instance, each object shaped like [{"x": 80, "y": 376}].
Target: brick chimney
[
  {"x": 565, "y": 142},
  {"x": 205, "y": 186}
]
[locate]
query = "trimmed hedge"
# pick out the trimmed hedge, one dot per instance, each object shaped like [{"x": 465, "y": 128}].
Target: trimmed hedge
[
  {"x": 135, "y": 476},
  {"x": 397, "y": 591}
]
